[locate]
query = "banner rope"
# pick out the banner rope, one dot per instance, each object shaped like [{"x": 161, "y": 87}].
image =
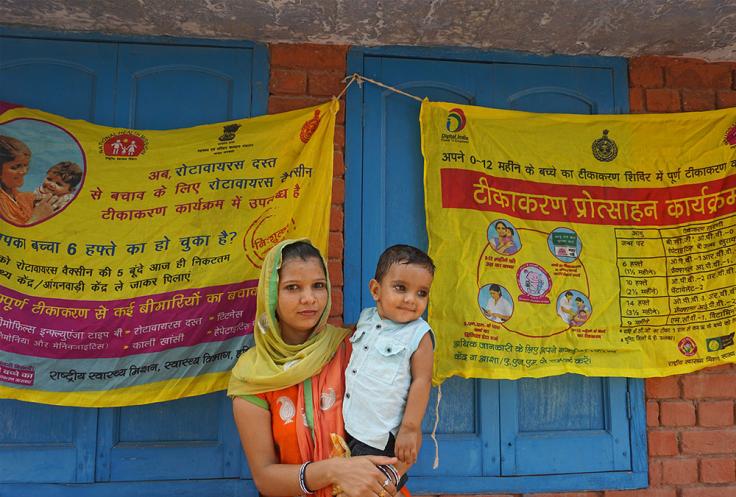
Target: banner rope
[{"x": 360, "y": 79}]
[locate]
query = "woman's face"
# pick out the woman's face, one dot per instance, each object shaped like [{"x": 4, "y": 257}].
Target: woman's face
[
  {"x": 302, "y": 298},
  {"x": 501, "y": 230},
  {"x": 14, "y": 172}
]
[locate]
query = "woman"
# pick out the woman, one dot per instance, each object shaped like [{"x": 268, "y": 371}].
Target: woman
[
  {"x": 288, "y": 389},
  {"x": 15, "y": 206},
  {"x": 504, "y": 243}
]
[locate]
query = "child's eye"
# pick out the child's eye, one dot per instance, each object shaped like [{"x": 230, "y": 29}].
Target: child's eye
[
  {"x": 422, "y": 293},
  {"x": 400, "y": 288}
]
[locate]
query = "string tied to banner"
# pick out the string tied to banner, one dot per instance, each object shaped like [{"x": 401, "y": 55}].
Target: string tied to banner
[{"x": 360, "y": 79}]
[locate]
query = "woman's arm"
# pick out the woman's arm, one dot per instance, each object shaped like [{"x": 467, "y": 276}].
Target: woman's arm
[{"x": 357, "y": 477}]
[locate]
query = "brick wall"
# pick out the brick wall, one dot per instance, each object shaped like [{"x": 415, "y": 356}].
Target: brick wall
[
  {"x": 690, "y": 418},
  {"x": 305, "y": 75}
]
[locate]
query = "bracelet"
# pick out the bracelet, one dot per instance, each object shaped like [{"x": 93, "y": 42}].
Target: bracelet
[{"x": 302, "y": 482}]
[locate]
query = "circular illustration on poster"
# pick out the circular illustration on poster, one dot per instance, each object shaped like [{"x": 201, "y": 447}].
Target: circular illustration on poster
[
  {"x": 43, "y": 169},
  {"x": 503, "y": 237},
  {"x": 495, "y": 302},
  {"x": 523, "y": 275},
  {"x": 574, "y": 308},
  {"x": 564, "y": 244}
]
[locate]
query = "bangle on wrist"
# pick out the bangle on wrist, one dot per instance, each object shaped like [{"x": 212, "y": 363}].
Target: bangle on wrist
[{"x": 302, "y": 478}]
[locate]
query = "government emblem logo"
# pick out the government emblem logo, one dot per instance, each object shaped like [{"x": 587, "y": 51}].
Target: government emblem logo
[
  {"x": 730, "y": 137},
  {"x": 687, "y": 347},
  {"x": 719, "y": 343},
  {"x": 309, "y": 127},
  {"x": 127, "y": 144},
  {"x": 228, "y": 132},
  {"x": 455, "y": 120},
  {"x": 605, "y": 149}
]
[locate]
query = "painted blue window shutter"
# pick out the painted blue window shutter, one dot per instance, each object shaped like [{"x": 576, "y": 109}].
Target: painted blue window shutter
[
  {"x": 143, "y": 86},
  {"x": 562, "y": 427}
]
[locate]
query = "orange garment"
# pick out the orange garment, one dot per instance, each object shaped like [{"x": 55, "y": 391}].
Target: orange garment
[
  {"x": 293, "y": 439},
  {"x": 18, "y": 210}
]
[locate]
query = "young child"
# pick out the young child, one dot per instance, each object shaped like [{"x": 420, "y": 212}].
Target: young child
[
  {"x": 389, "y": 375},
  {"x": 61, "y": 180}
]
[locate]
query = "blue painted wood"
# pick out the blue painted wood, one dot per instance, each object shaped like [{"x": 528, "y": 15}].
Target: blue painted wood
[
  {"x": 187, "y": 439},
  {"x": 189, "y": 488},
  {"x": 525, "y": 424},
  {"x": 70, "y": 80}
]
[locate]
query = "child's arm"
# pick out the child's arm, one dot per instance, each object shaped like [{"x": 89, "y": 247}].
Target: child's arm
[{"x": 409, "y": 438}]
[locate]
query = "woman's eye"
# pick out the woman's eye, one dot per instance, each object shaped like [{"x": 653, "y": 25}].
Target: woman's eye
[
  {"x": 291, "y": 288},
  {"x": 320, "y": 285}
]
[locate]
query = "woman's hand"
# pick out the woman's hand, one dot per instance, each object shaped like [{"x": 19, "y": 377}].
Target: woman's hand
[
  {"x": 43, "y": 209},
  {"x": 360, "y": 477}
]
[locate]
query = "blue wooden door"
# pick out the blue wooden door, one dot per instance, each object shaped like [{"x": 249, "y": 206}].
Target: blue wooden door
[
  {"x": 566, "y": 425},
  {"x": 144, "y": 86}
]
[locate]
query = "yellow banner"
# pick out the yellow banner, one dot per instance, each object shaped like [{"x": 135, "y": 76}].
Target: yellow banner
[
  {"x": 602, "y": 245},
  {"x": 129, "y": 259}
]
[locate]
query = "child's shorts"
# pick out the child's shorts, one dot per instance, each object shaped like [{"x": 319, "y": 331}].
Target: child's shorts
[{"x": 358, "y": 448}]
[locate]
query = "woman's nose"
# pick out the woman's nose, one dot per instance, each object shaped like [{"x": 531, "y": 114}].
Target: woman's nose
[{"x": 308, "y": 297}]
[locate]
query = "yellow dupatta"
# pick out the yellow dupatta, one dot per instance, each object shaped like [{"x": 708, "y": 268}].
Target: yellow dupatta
[{"x": 273, "y": 364}]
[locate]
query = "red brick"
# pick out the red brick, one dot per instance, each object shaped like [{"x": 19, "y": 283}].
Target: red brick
[
  {"x": 340, "y": 136},
  {"x": 718, "y": 470},
  {"x": 679, "y": 471},
  {"x": 662, "y": 443},
  {"x": 728, "y": 491},
  {"x": 338, "y": 191},
  {"x": 699, "y": 386},
  {"x": 715, "y": 413},
  {"x": 278, "y": 103},
  {"x": 327, "y": 83},
  {"x": 698, "y": 100},
  {"x": 562, "y": 494},
  {"x": 695, "y": 75},
  {"x": 646, "y": 72},
  {"x": 636, "y": 101},
  {"x": 308, "y": 56},
  {"x": 667, "y": 387},
  {"x": 725, "y": 99},
  {"x": 663, "y": 100},
  {"x": 288, "y": 81},
  {"x": 335, "y": 269},
  {"x": 709, "y": 442},
  {"x": 338, "y": 166},
  {"x": 652, "y": 413},
  {"x": 337, "y": 218},
  {"x": 336, "y": 245},
  {"x": 645, "y": 492},
  {"x": 340, "y": 118},
  {"x": 337, "y": 302},
  {"x": 723, "y": 368},
  {"x": 677, "y": 413},
  {"x": 655, "y": 473}
]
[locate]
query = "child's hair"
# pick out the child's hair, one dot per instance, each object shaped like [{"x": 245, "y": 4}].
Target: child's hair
[
  {"x": 402, "y": 254},
  {"x": 10, "y": 148},
  {"x": 302, "y": 250},
  {"x": 69, "y": 172}
]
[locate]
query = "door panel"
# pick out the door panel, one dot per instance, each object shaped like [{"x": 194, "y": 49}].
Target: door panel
[
  {"x": 558, "y": 425},
  {"x": 151, "y": 87},
  {"x": 69, "y": 78}
]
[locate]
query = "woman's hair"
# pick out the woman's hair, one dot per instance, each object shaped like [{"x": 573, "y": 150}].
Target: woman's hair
[
  {"x": 10, "y": 148},
  {"x": 303, "y": 251},
  {"x": 511, "y": 230}
]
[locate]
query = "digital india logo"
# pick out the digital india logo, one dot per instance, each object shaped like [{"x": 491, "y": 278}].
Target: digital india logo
[{"x": 455, "y": 120}]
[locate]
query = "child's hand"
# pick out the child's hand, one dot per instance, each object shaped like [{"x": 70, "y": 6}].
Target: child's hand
[{"x": 407, "y": 445}]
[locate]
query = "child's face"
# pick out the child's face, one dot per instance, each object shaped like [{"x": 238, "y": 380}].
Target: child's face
[
  {"x": 302, "y": 298},
  {"x": 403, "y": 292},
  {"x": 54, "y": 185}
]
